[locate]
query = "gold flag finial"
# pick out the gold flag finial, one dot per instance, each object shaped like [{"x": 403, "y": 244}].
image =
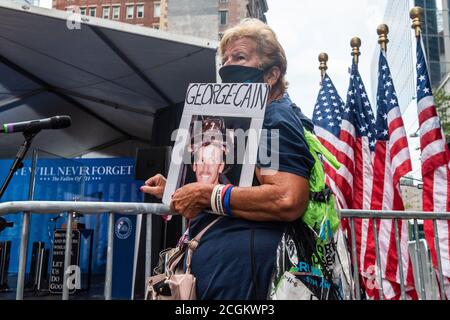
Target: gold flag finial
[
  {"x": 323, "y": 59},
  {"x": 383, "y": 31},
  {"x": 416, "y": 16},
  {"x": 355, "y": 43}
]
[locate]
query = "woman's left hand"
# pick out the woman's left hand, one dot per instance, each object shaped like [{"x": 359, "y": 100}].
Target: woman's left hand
[{"x": 191, "y": 199}]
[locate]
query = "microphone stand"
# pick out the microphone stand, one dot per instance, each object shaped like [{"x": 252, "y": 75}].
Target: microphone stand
[{"x": 29, "y": 135}]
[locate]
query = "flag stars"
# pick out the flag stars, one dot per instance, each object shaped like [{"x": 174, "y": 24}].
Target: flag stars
[
  {"x": 422, "y": 78},
  {"x": 426, "y": 90}
]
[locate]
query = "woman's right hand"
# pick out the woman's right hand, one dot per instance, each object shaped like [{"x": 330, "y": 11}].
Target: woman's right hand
[{"x": 155, "y": 186}]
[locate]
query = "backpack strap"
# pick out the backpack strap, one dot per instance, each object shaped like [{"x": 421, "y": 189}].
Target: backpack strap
[{"x": 193, "y": 244}]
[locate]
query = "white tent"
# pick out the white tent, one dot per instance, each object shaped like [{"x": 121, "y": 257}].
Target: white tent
[{"x": 110, "y": 77}]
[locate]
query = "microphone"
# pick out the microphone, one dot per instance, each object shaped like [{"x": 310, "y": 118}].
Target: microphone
[{"x": 56, "y": 122}]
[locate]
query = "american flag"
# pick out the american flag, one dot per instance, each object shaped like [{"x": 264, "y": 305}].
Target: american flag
[
  {"x": 358, "y": 133},
  {"x": 353, "y": 143},
  {"x": 327, "y": 118},
  {"x": 391, "y": 161},
  {"x": 435, "y": 165}
]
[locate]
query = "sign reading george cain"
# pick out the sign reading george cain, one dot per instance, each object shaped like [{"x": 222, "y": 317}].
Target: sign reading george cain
[{"x": 228, "y": 116}]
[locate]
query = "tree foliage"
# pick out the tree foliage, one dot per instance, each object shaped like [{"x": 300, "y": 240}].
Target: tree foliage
[{"x": 442, "y": 101}]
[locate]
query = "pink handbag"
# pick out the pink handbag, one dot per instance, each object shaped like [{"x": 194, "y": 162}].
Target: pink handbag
[{"x": 175, "y": 284}]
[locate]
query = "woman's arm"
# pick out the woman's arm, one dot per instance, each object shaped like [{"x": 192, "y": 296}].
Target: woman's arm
[{"x": 280, "y": 197}]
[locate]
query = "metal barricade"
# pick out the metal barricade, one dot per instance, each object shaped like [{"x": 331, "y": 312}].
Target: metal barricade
[
  {"x": 422, "y": 266},
  {"x": 51, "y": 207}
]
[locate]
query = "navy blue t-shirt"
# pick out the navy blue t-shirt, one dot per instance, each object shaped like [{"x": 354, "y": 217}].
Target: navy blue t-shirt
[{"x": 235, "y": 258}]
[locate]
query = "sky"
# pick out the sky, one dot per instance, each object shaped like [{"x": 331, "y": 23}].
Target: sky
[{"x": 306, "y": 28}]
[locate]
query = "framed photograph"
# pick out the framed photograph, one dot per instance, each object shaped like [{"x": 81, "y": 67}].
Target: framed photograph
[{"x": 218, "y": 137}]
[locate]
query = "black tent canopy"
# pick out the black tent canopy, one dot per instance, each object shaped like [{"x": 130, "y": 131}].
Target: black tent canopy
[{"x": 110, "y": 77}]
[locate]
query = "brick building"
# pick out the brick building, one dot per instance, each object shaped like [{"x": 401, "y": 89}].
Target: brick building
[
  {"x": 210, "y": 18},
  {"x": 149, "y": 13},
  {"x": 200, "y": 18}
]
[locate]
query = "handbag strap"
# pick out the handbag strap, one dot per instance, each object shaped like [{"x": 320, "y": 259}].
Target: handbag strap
[{"x": 193, "y": 244}]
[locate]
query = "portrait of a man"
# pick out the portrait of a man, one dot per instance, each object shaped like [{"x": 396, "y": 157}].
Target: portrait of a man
[{"x": 209, "y": 148}]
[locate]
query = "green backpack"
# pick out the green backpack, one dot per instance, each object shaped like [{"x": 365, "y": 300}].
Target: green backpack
[{"x": 320, "y": 215}]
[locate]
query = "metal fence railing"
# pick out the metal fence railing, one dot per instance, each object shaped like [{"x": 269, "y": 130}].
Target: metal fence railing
[
  {"x": 52, "y": 207},
  {"x": 418, "y": 256}
]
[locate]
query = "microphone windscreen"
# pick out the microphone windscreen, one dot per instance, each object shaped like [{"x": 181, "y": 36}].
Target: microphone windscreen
[{"x": 59, "y": 122}]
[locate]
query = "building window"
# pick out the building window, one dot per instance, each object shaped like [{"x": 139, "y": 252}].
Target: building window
[
  {"x": 92, "y": 11},
  {"x": 223, "y": 18},
  {"x": 140, "y": 11},
  {"x": 156, "y": 9},
  {"x": 116, "y": 13},
  {"x": 83, "y": 11},
  {"x": 105, "y": 13},
  {"x": 130, "y": 12}
]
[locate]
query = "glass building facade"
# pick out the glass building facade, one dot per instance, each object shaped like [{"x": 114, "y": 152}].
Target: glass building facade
[
  {"x": 402, "y": 47},
  {"x": 436, "y": 37},
  {"x": 400, "y": 52}
]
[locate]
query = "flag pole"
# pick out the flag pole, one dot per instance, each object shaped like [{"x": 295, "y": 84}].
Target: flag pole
[
  {"x": 323, "y": 59},
  {"x": 355, "y": 43},
  {"x": 416, "y": 16},
  {"x": 383, "y": 31}
]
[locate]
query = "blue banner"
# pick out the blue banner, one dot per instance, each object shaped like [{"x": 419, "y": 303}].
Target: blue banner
[{"x": 107, "y": 180}]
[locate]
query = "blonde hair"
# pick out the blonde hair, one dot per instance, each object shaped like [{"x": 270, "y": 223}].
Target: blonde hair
[{"x": 269, "y": 50}]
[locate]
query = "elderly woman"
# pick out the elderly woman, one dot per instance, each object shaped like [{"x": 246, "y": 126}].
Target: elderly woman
[{"x": 236, "y": 256}]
